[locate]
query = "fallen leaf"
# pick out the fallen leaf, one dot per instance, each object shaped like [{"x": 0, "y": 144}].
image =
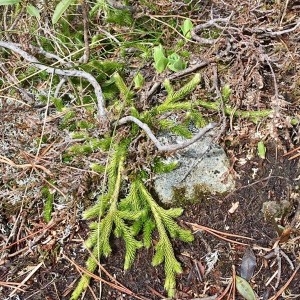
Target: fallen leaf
[
  {"x": 248, "y": 265},
  {"x": 244, "y": 288}
]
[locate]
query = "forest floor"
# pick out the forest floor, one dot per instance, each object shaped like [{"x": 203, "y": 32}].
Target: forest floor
[{"x": 252, "y": 47}]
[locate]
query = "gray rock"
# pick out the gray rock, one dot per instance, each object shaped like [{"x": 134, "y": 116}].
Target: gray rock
[{"x": 203, "y": 169}]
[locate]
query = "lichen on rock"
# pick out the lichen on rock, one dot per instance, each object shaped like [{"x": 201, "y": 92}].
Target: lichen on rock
[{"x": 203, "y": 167}]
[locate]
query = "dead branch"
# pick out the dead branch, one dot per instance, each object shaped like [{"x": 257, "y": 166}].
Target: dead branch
[
  {"x": 86, "y": 54},
  {"x": 283, "y": 288},
  {"x": 277, "y": 252},
  {"x": 69, "y": 73},
  {"x": 8, "y": 161},
  {"x": 13, "y": 81},
  {"x": 191, "y": 69},
  {"x": 281, "y": 32},
  {"x": 166, "y": 148},
  {"x": 211, "y": 23}
]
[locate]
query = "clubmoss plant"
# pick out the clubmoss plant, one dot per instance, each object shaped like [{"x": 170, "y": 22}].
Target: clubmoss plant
[
  {"x": 253, "y": 115},
  {"x": 171, "y": 102},
  {"x": 135, "y": 216},
  {"x": 48, "y": 206},
  {"x": 161, "y": 166}
]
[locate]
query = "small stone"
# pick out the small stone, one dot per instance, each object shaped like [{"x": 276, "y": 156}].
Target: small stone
[{"x": 275, "y": 209}]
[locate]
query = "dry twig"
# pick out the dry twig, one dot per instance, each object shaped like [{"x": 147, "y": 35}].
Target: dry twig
[
  {"x": 157, "y": 84},
  {"x": 281, "y": 32},
  {"x": 8, "y": 161},
  {"x": 69, "y": 73},
  {"x": 210, "y": 23},
  {"x": 86, "y": 54},
  {"x": 13, "y": 80},
  {"x": 25, "y": 279},
  {"x": 9, "y": 284},
  {"x": 277, "y": 252},
  {"x": 286, "y": 284},
  {"x": 117, "y": 286},
  {"x": 167, "y": 148},
  {"x": 219, "y": 234}
]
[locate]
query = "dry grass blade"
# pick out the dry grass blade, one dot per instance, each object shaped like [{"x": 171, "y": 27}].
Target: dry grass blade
[
  {"x": 26, "y": 279},
  {"x": 43, "y": 230},
  {"x": 15, "y": 285},
  {"x": 219, "y": 234},
  {"x": 297, "y": 150},
  {"x": 117, "y": 286},
  {"x": 8, "y": 161},
  {"x": 228, "y": 287}
]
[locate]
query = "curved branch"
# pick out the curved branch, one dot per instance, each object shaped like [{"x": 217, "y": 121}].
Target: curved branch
[
  {"x": 212, "y": 23},
  {"x": 170, "y": 147},
  {"x": 69, "y": 73}
]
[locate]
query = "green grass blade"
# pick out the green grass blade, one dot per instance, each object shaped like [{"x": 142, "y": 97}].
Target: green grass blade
[{"x": 61, "y": 7}]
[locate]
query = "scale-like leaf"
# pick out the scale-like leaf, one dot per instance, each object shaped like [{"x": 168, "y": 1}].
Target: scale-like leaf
[{"x": 159, "y": 255}]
